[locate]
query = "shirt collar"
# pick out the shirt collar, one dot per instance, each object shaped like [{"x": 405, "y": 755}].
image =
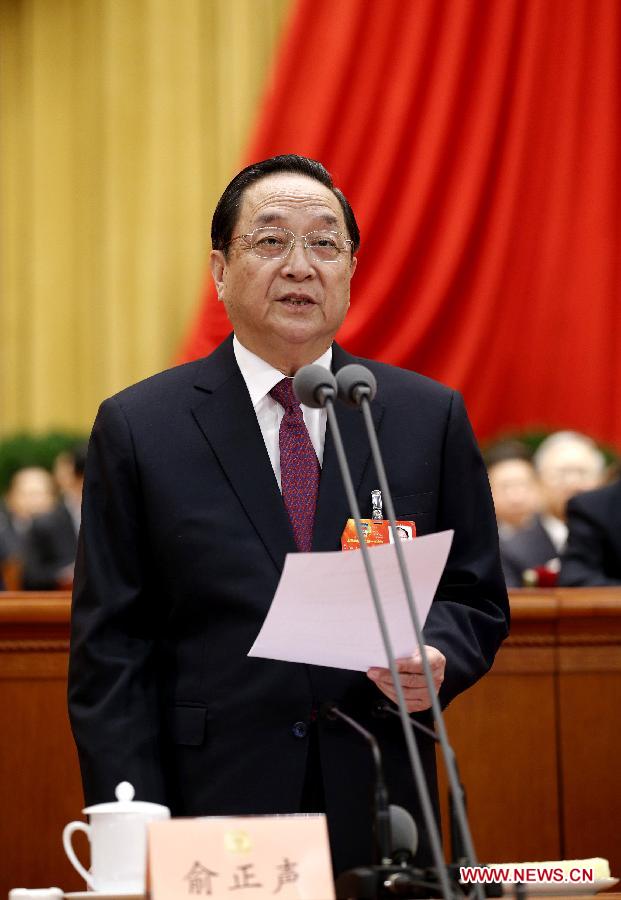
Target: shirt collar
[
  {"x": 557, "y": 530},
  {"x": 259, "y": 375}
]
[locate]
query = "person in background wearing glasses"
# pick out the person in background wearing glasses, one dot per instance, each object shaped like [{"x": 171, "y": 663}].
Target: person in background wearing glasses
[{"x": 201, "y": 479}]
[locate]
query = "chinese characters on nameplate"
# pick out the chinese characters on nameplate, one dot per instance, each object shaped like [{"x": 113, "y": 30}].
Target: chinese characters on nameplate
[{"x": 282, "y": 857}]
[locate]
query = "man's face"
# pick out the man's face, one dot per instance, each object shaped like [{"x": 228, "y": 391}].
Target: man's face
[
  {"x": 515, "y": 490},
  {"x": 31, "y": 493},
  {"x": 294, "y": 305}
]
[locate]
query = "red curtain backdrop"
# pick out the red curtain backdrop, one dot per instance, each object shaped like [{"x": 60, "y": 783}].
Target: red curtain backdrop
[{"x": 479, "y": 143}]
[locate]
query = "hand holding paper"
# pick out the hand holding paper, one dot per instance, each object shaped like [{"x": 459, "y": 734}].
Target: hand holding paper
[{"x": 413, "y": 683}]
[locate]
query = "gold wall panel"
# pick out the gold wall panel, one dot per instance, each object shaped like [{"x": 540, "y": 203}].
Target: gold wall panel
[{"x": 121, "y": 122}]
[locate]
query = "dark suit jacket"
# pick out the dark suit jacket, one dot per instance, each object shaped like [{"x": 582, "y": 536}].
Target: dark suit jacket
[
  {"x": 184, "y": 536},
  {"x": 525, "y": 549},
  {"x": 11, "y": 538},
  {"x": 593, "y": 552},
  {"x": 49, "y": 547}
]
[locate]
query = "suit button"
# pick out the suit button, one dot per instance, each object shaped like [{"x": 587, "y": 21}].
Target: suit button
[{"x": 299, "y": 729}]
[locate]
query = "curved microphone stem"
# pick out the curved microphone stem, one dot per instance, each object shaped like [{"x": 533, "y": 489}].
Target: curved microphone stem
[
  {"x": 383, "y": 833},
  {"x": 447, "y": 751},
  {"x": 415, "y": 760},
  {"x": 458, "y": 850}
]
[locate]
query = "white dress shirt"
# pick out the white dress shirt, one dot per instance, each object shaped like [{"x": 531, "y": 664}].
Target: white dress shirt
[
  {"x": 557, "y": 531},
  {"x": 260, "y": 378}
]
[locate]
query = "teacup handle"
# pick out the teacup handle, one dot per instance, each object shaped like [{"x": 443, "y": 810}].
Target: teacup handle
[{"x": 68, "y": 832}]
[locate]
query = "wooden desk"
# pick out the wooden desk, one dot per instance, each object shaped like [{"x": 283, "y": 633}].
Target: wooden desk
[
  {"x": 537, "y": 740},
  {"x": 39, "y": 777}
]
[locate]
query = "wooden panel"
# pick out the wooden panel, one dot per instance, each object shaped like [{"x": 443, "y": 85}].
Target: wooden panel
[
  {"x": 39, "y": 777},
  {"x": 503, "y": 731},
  {"x": 590, "y": 728},
  {"x": 537, "y": 739}
]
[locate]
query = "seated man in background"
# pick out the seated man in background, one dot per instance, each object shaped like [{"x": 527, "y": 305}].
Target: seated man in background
[
  {"x": 31, "y": 493},
  {"x": 52, "y": 540},
  {"x": 515, "y": 487},
  {"x": 567, "y": 463},
  {"x": 592, "y": 556}
]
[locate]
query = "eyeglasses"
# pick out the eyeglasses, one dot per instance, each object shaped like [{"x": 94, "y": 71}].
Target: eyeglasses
[{"x": 276, "y": 243}]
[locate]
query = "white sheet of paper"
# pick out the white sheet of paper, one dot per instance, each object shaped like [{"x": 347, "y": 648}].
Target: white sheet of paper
[{"x": 323, "y": 612}]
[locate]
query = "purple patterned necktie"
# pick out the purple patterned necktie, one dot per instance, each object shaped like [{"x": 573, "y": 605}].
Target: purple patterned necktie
[{"x": 299, "y": 466}]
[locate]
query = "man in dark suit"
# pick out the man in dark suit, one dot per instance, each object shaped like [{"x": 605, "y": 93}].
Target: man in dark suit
[
  {"x": 190, "y": 509},
  {"x": 526, "y": 550},
  {"x": 49, "y": 551},
  {"x": 30, "y": 494},
  {"x": 52, "y": 540},
  {"x": 592, "y": 557}
]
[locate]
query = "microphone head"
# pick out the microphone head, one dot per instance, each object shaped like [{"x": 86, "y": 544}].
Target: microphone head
[
  {"x": 355, "y": 382},
  {"x": 313, "y": 385},
  {"x": 404, "y": 834}
]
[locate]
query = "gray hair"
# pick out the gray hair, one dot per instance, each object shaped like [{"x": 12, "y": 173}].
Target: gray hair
[{"x": 566, "y": 437}]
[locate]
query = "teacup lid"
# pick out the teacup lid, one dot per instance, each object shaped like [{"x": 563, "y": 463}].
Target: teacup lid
[{"x": 125, "y": 803}]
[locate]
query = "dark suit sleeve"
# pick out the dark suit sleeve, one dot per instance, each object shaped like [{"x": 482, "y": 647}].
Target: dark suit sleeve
[
  {"x": 112, "y": 684},
  {"x": 469, "y": 617},
  {"x": 583, "y": 563}
]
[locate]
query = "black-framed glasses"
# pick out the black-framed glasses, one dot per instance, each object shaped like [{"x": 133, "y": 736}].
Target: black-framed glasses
[{"x": 274, "y": 242}]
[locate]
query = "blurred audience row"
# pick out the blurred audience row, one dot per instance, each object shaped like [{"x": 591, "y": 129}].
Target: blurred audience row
[
  {"x": 558, "y": 512},
  {"x": 39, "y": 524}
]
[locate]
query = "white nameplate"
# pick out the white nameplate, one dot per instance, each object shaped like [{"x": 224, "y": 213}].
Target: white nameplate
[{"x": 282, "y": 857}]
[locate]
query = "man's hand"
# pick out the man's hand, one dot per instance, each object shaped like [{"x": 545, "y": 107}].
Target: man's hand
[{"x": 410, "y": 670}]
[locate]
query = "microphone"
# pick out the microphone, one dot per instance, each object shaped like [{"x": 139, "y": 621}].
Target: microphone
[
  {"x": 355, "y": 382},
  {"x": 404, "y": 835},
  {"x": 396, "y": 877},
  {"x": 310, "y": 380},
  {"x": 458, "y": 852},
  {"x": 396, "y": 837},
  {"x": 381, "y": 812},
  {"x": 314, "y": 386}
]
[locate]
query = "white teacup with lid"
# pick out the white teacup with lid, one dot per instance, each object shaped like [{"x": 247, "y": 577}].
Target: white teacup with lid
[{"x": 117, "y": 833}]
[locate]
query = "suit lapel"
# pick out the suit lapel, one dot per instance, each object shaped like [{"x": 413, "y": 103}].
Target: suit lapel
[
  {"x": 224, "y": 413},
  {"x": 332, "y": 507}
]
